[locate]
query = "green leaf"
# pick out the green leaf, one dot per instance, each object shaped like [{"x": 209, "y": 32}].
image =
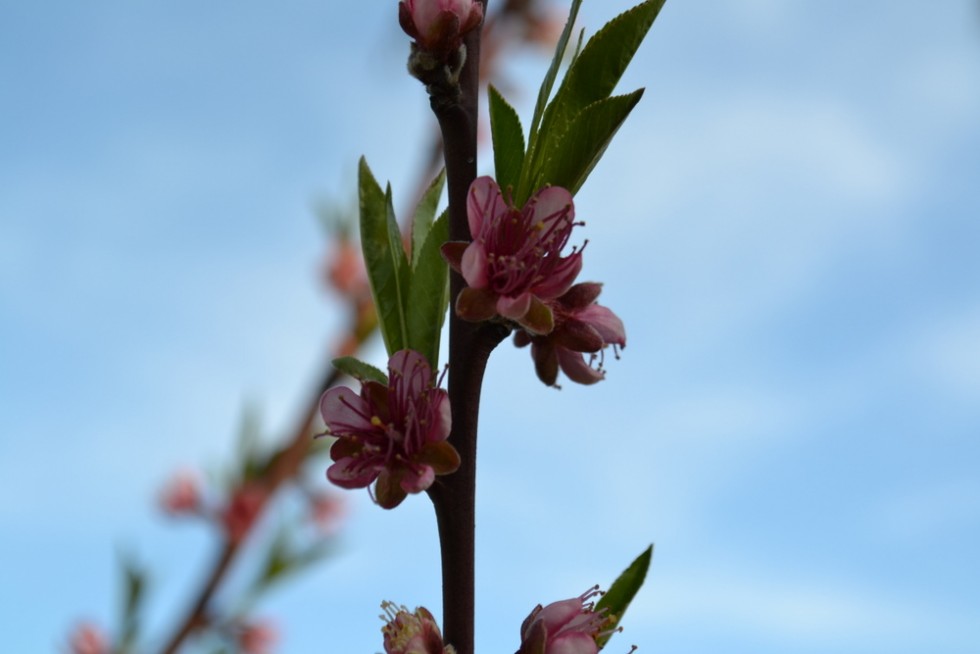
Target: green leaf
[
  {"x": 134, "y": 591},
  {"x": 549, "y": 79},
  {"x": 591, "y": 77},
  {"x": 508, "y": 140},
  {"x": 399, "y": 262},
  {"x": 578, "y": 151},
  {"x": 384, "y": 265},
  {"x": 622, "y": 591},
  {"x": 359, "y": 370},
  {"x": 596, "y": 71},
  {"x": 428, "y": 294},
  {"x": 425, "y": 213}
]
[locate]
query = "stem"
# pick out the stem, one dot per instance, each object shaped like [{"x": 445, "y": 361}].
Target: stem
[{"x": 470, "y": 344}]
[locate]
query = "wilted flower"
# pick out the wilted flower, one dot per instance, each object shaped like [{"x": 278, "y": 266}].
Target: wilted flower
[
  {"x": 394, "y": 434},
  {"x": 408, "y": 632},
  {"x": 438, "y": 26},
  {"x": 86, "y": 638},
  {"x": 257, "y": 637},
  {"x": 513, "y": 266},
  {"x": 181, "y": 495},
  {"x": 581, "y": 327},
  {"x": 570, "y": 626}
]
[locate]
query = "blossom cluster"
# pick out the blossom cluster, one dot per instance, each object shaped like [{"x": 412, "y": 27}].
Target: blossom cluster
[{"x": 515, "y": 271}]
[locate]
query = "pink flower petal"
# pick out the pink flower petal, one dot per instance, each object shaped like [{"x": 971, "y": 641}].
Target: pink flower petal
[
  {"x": 344, "y": 411},
  {"x": 484, "y": 203},
  {"x": 411, "y": 367},
  {"x": 350, "y": 473},
  {"x": 604, "y": 321},
  {"x": 557, "y": 614},
  {"x": 550, "y": 204},
  {"x": 474, "y": 265},
  {"x": 562, "y": 280},
  {"x": 442, "y": 416},
  {"x": 413, "y": 482},
  {"x": 573, "y": 643},
  {"x": 514, "y": 307}
]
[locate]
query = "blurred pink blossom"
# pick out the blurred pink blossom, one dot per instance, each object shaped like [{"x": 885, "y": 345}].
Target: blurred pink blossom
[
  {"x": 86, "y": 638},
  {"x": 257, "y": 637},
  {"x": 241, "y": 511},
  {"x": 328, "y": 511},
  {"x": 181, "y": 495}
]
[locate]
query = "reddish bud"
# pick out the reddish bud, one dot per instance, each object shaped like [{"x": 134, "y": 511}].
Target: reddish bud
[
  {"x": 87, "y": 638},
  {"x": 181, "y": 495},
  {"x": 438, "y": 26}
]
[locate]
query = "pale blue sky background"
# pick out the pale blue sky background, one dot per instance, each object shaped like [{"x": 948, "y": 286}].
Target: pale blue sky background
[{"x": 788, "y": 225}]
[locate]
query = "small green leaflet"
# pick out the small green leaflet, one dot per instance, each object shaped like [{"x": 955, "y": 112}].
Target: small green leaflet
[
  {"x": 622, "y": 591},
  {"x": 359, "y": 370}
]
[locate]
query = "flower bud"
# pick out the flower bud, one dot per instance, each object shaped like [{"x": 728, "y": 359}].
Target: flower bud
[
  {"x": 257, "y": 637},
  {"x": 86, "y": 638},
  {"x": 181, "y": 495},
  {"x": 438, "y": 26},
  {"x": 570, "y": 626}
]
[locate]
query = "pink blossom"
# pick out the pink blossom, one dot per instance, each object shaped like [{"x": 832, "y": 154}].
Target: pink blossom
[
  {"x": 327, "y": 511},
  {"x": 513, "y": 267},
  {"x": 242, "y": 510},
  {"x": 394, "y": 435},
  {"x": 181, "y": 495},
  {"x": 408, "y": 632},
  {"x": 257, "y": 637},
  {"x": 86, "y": 638},
  {"x": 581, "y": 327},
  {"x": 567, "y": 627},
  {"x": 438, "y": 26}
]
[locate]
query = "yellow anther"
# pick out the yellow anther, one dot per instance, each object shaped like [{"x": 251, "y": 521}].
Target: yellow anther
[{"x": 376, "y": 421}]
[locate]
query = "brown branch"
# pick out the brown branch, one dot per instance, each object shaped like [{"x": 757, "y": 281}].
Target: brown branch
[{"x": 454, "y": 497}]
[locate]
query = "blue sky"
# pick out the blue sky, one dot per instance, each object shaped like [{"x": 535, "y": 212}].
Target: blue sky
[{"x": 788, "y": 225}]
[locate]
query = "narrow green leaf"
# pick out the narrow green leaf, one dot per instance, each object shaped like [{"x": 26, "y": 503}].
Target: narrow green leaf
[
  {"x": 425, "y": 213},
  {"x": 359, "y": 370},
  {"x": 591, "y": 77},
  {"x": 399, "y": 261},
  {"x": 578, "y": 151},
  {"x": 549, "y": 79},
  {"x": 596, "y": 71},
  {"x": 428, "y": 294},
  {"x": 508, "y": 140},
  {"x": 381, "y": 268},
  {"x": 134, "y": 592},
  {"x": 622, "y": 591}
]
